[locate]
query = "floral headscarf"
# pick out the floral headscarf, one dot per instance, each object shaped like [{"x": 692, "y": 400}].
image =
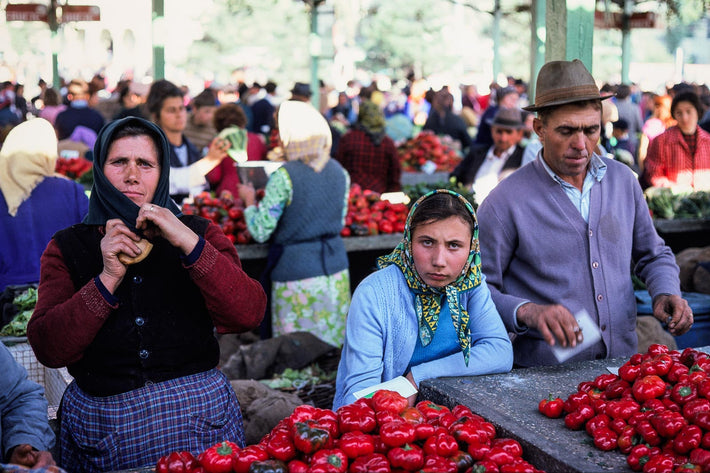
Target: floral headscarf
[
  {"x": 428, "y": 300},
  {"x": 372, "y": 121},
  {"x": 304, "y": 133}
]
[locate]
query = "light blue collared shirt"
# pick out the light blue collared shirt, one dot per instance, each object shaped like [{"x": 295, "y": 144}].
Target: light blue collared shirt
[{"x": 595, "y": 172}]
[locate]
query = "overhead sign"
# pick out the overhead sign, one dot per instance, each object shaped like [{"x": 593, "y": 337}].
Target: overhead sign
[
  {"x": 602, "y": 19},
  {"x": 26, "y": 12},
  {"x": 80, "y": 13}
]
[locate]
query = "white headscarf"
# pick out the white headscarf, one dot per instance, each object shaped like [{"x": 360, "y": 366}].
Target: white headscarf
[
  {"x": 28, "y": 155},
  {"x": 304, "y": 133}
]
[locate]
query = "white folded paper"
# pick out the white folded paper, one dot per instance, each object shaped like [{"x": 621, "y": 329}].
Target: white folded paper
[
  {"x": 399, "y": 384},
  {"x": 591, "y": 334}
]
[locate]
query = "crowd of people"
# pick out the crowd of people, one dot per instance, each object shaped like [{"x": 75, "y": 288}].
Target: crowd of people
[{"x": 138, "y": 290}]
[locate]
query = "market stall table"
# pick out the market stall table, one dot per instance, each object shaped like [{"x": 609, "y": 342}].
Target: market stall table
[{"x": 510, "y": 402}]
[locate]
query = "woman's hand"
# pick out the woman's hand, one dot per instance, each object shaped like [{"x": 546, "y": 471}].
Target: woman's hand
[
  {"x": 157, "y": 221},
  {"x": 117, "y": 239},
  {"x": 247, "y": 194}
]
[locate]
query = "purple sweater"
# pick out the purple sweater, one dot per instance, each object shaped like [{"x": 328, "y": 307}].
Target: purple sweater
[{"x": 538, "y": 248}]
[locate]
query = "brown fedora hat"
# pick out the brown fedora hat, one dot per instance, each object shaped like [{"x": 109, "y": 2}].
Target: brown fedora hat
[
  {"x": 563, "y": 82},
  {"x": 510, "y": 118}
]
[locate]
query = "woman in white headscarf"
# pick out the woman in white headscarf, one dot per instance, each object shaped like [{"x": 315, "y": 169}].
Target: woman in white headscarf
[
  {"x": 35, "y": 202},
  {"x": 302, "y": 212}
]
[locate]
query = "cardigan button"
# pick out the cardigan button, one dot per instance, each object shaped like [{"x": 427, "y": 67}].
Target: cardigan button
[
  {"x": 140, "y": 321},
  {"x": 595, "y": 265},
  {"x": 144, "y": 354},
  {"x": 600, "y": 297},
  {"x": 603, "y": 327},
  {"x": 137, "y": 279}
]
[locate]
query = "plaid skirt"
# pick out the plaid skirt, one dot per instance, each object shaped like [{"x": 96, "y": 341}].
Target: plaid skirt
[{"x": 134, "y": 429}]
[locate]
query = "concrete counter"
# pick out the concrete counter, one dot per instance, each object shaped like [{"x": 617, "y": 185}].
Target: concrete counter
[{"x": 510, "y": 402}]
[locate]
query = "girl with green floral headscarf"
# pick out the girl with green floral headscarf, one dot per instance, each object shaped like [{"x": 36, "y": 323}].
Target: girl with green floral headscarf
[{"x": 427, "y": 311}]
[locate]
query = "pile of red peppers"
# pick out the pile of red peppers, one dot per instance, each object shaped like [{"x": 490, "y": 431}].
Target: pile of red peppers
[
  {"x": 656, "y": 410},
  {"x": 381, "y": 434}
]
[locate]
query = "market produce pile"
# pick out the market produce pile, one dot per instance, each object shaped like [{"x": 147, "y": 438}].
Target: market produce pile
[
  {"x": 73, "y": 168},
  {"x": 656, "y": 410},
  {"x": 367, "y": 214},
  {"x": 427, "y": 152},
  {"x": 24, "y": 303},
  {"x": 666, "y": 204},
  {"x": 376, "y": 435}
]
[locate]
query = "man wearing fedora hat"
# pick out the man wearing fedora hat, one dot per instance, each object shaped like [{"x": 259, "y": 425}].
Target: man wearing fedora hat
[
  {"x": 558, "y": 236},
  {"x": 484, "y": 166},
  {"x": 301, "y": 92}
]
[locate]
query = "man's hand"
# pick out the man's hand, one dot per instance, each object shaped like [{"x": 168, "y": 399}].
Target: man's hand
[
  {"x": 25, "y": 455},
  {"x": 554, "y": 322},
  {"x": 673, "y": 311}
]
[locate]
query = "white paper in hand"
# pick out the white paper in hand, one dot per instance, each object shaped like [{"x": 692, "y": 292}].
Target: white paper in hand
[
  {"x": 399, "y": 384},
  {"x": 591, "y": 334}
]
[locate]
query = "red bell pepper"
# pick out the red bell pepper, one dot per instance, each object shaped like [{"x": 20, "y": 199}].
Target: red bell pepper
[
  {"x": 640, "y": 455},
  {"x": 356, "y": 444},
  {"x": 628, "y": 439},
  {"x": 551, "y": 406},
  {"x": 575, "y": 400},
  {"x": 704, "y": 388},
  {"x": 648, "y": 387},
  {"x": 668, "y": 423},
  {"x": 518, "y": 466},
  {"x": 688, "y": 468},
  {"x": 431, "y": 410},
  {"x": 575, "y": 420},
  {"x": 373, "y": 463},
  {"x": 385, "y": 400},
  {"x": 661, "y": 463},
  {"x": 649, "y": 434},
  {"x": 280, "y": 445},
  {"x": 220, "y": 458},
  {"x": 443, "y": 445},
  {"x": 478, "y": 451},
  {"x": 438, "y": 464},
  {"x": 468, "y": 432},
  {"x": 176, "y": 462},
  {"x": 657, "y": 349},
  {"x": 309, "y": 436},
  {"x": 486, "y": 466},
  {"x": 605, "y": 439},
  {"x": 596, "y": 422},
  {"x": 618, "y": 425},
  {"x": 460, "y": 410},
  {"x": 329, "y": 461},
  {"x": 249, "y": 455},
  {"x": 629, "y": 372},
  {"x": 425, "y": 430},
  {"x": 683, "y": 392},
  {"x": 700, "y": 457},
  {"x": 397, "y": 433},
  {"x": 499, "y": 456},
  {"x": 297, "y": 466},
  {"x": 687, "y": 439},
  {"x": 604, "y": 380},
  {"x": 702, "y": 420},
  {"x": 705, "y": 442},
  {"x": 408, "y": 457},
  {"x": 621, "y": 409},
  {"x": 357, "y": 416},
  {"x": 659, "y": 365},
  {"x": 696, "y": 374},
  {"x": 511, "y": 446},
  {"x": 616, "y": 389},
  {"x": 411, "y": 415}
]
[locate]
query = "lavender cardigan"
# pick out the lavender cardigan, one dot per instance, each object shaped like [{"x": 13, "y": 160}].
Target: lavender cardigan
[{"x": 535, "y": 246}]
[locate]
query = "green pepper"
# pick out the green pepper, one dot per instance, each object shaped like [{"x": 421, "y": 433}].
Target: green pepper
[
  {"x": 309, "y": 436},
  {"x": 268, "y": 466},
  {"x": 220, "y": 457}
]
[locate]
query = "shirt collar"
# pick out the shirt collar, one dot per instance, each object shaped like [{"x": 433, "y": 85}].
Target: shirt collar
[
  {"x": 596, "y": 170},
  {"x": 504, "y": 155}
]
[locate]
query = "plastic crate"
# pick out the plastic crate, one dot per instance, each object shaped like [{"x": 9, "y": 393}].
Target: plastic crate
[{"x": 54, "y": 381}]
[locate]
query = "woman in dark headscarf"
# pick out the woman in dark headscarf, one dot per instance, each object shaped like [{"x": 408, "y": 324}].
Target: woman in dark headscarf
[
  {"x": 368, "y": 154},
  {"x": 139, "y": 338},
  {"x": 427, "y": 312}
]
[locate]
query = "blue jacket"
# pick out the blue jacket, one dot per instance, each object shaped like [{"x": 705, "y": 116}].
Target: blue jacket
[
  {"x": 382, "y": 331},
  {"x": 56, "y": 203},
  {"x": 23, "y": 408}
]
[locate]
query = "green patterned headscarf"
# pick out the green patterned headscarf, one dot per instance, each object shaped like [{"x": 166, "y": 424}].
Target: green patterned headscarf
[
  {"x": 371, "y": 119},
  {"x": 428, "y": 300}
]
